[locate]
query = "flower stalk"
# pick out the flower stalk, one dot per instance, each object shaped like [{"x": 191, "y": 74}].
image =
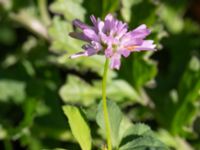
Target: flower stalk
[{"x": 105, "y": 109}]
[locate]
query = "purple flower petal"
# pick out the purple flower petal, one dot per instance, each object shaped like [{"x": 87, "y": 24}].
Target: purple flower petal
[
  {"x": 89, "y": 50},
  {"x": 96, "y": 45},
  {"x": 109, "y": 23},
  {"x": 93, "y": 19},
  {"x": 79, "y": 24},
  {"x": 125, "y": 52},
  {"x": 130, "y": 41},
  {"x": 115, "y": 61},
  {"x": 112, "y": 37},
  {"x": 100, "y": 27},
  {"x": 78, "y": 55},
  {"x": 80, "y": 36},
  {"x": 146, "y": 45},
  {"x": 140, "y": 32},
  {"x": 91, "y": 34},
  {"x": 109, "y": 17},
  {"x": 108, "y": 52}
]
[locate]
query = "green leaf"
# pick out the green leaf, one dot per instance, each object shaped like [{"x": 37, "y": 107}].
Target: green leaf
[
  {"x": 138, "y": 130},
  {"x": 12, "y": 90},
  {"x": 120, "y": 90},
  {"x": 60, "y": 40},
  {"x": 71, "y": 9},
  {"x": 135, "y": 16},
  {"x": 78, "y": 125},
  {"x": 135, "y": 137},
  {"x": 76, "y": 90},
  {"x": 144, "y": 143},
  {"x": 84, "y": 64},
  {"x": 115, "y": 117},
  {"x": 143, "y": 69},
  {"x": 110, "y": 6},
  {"x": 186, "y": 108},
  {"x": 140, "y": 137},
  {"x": 172, "y": 18},
  {"x": 126, "y": 8},
  {"x": 174, "y": 142}
]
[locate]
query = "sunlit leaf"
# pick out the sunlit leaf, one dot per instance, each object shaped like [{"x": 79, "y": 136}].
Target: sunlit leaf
[
  {"x": 78, "y": 125},
  {"x": 61, "y": 42},
  {"x": 77, "y": 90},
  {"x": 67, "y": 8},
  {"x": 12, "y": 90}
]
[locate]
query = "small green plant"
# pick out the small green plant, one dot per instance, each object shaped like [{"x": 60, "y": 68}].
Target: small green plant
[{"x": 111, "y": 38}]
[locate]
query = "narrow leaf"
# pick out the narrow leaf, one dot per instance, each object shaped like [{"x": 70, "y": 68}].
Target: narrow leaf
[{"x": 79, "y": 126}]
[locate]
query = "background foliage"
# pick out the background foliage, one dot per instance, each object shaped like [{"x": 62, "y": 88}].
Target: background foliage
[{"x": 161, "y": 89}]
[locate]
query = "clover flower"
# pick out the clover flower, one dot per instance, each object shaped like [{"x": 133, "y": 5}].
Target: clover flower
[{"x": 111, "y": 38}]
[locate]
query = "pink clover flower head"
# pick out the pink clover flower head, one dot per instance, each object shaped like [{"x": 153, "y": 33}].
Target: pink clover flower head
[{"x": 111, "y": 38}]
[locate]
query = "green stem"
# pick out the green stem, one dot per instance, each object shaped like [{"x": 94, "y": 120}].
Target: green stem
[
  {"x": 44, "y": 12},
  {"x": 105, "y": 110}
]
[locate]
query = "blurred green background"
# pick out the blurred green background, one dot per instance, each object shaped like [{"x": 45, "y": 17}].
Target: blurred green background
[{"x": 161, "y": 89}]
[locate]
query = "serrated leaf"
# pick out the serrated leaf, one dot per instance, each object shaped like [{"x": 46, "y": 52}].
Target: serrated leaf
[
  {"x": 135, "y": 137},
  {"x": 115, "y": 117},
  {"x": 144, "y": 143},
  {"x": 78, "y": 125},
  {"x": 138, "y": 129},
  {"x": 140, "y": 137},
  {"x": 71, "y": 9}
]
